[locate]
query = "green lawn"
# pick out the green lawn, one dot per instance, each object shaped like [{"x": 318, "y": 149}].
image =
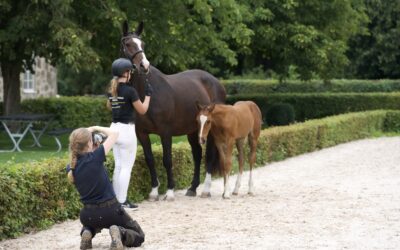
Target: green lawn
[{"x": 49, "y": 148}]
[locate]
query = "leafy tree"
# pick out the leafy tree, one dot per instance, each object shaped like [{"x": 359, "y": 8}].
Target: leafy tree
[
  {"x": 84, "y": 36},
  {"x": 74, "y": 32},
  {"x": 376, "y": 54},
  {"x": 309, "y": 35},
  {"x": 191, "y": 33}
]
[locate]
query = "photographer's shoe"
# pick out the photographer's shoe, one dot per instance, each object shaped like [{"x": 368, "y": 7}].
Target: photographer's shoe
[
  {"x": 116, "y": 243},
  {"x": 129, "y": 205},
  {"x": 86, "y": 239}
]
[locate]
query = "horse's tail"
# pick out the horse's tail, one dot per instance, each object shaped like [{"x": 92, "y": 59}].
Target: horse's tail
[
  {"x": 217, "y": 94},
  {"x": 212, "y": 157}
]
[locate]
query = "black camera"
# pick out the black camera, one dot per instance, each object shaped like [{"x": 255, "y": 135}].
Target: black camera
[{"x": 98, "y": 138}]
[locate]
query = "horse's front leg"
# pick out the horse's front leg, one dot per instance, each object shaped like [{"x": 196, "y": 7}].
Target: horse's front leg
[
  {"x": 196, "y": 153},
  {"x": 166, "y": 141},
  {"x": 213, "y": 163},
  {"x": 149, "y": 158}
]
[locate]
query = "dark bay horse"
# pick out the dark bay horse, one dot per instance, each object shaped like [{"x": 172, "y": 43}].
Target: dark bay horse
[
  {"x": 172, "y": 111},
  {"x": 230, "y": 125}
]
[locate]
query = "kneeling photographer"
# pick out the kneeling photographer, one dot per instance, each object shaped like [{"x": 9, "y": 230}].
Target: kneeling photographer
[{"x": 101, "y": 208}]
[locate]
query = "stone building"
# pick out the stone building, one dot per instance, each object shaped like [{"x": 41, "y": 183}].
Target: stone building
[{"x": 41, "y": 84}]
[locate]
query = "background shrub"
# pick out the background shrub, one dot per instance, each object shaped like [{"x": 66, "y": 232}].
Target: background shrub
[
  {"x": 253, "y": 86},
  {"x": 318, "y": 105},
  {"x": 279, "y": 114},
  {"x": 71, "y": 112}
]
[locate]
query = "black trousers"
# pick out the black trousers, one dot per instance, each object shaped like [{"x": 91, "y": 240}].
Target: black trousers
[{"x": 97, "y": 217}]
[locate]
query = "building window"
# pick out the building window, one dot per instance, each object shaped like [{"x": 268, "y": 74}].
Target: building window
[{"x": 29, "y": 82}]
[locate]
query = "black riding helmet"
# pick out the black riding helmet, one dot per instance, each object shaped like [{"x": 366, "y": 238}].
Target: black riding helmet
[{"x": 121, "y": 65}]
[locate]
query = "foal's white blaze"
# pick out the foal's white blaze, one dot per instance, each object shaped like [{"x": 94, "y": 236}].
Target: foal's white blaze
[
  {"x": 145, "y": 62},
  {"x": 203, "y": 120}
]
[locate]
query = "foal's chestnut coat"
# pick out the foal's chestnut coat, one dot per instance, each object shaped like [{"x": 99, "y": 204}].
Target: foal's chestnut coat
[{"x": 230, "y": 125}]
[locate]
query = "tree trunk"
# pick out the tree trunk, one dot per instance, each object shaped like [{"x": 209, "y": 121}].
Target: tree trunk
[{"x": 11, "y": 87}]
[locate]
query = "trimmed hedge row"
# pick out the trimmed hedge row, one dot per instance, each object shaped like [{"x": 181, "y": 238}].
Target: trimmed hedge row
[
  {"x": 72, "y": 112},
  {"x": 318, "y": 105},
  {"x": 35, "y": 195},
  {"x": 253, "y": 86}
]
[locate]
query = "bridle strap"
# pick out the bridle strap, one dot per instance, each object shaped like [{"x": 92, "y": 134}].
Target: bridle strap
[
  {"x": 134, "y": 55},
  {"x": 125, "y": 49},
  {"x": 137, "y": 52}
]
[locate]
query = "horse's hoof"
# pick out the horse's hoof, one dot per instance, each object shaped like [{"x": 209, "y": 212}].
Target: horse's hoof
[
  {"x": 153, "y": 198},
  {"x": 251, "y": 194},
  {"x": 205, "y": 195},
  {"x": 191, "y": 193},
  {"x": 234, "y": 193}
]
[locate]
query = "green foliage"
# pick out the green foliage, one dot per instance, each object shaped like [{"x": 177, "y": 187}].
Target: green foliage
[
  {"x": 71, "y": 112},
  {"x": 192, "y": 34},
  {"x": 253, "y": 86},
  {"x": 309, "y": 35},
  {"x": 392, "y": 122},
  {"x": 36, "y": 194},
  {"x": 318, "y": 105},
  {"x": 279, "y": 114},
  {"x": 376, "y": 54}
]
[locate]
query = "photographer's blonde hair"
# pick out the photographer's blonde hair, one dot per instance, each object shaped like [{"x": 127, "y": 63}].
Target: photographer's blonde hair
[{"x": 78, "y": 143}]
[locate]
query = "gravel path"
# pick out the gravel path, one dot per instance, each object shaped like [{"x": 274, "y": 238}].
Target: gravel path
[{"x": 344, "y": 197}]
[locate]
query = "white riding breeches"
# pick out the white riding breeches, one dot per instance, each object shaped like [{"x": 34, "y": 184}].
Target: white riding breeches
[{"x": 124, "y": 156}]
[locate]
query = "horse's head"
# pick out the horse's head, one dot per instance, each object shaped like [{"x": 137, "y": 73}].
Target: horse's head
[
  {"x": 132, "y": 48},
  {"x": 204, "y": 118}
]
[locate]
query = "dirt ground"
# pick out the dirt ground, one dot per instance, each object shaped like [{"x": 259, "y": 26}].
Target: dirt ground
[{"x": 344, "y": 197}]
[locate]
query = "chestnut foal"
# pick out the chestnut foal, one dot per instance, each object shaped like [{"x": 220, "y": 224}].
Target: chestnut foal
[{"x": 230, "y": 125}]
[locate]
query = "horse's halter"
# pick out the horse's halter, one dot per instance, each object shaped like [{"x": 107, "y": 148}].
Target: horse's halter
[{"x": 125, "y": 50}]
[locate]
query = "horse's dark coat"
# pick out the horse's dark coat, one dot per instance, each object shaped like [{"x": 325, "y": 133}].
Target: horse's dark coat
[{"x": 172, "y": 111}]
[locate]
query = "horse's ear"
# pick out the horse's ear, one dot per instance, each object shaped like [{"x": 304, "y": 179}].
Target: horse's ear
[
  {"x": 211, "y": 107},
  {"x": 125, "y": 28},
  {"x": 139, "y": 29}
]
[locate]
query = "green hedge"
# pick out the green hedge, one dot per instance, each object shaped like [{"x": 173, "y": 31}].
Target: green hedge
[
  {"x": 36, "y": 195},
  {"x": 71, "y": 112},
  {"x": 74, "y": 112},
  {"x": 319, "y": 105},
  {"x": 252, "y": 86}
]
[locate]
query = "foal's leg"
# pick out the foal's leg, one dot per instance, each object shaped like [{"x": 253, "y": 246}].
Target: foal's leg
[
  {"x": 166, "y": 141},
  {"x": 196, "y": 153},
  {"x": 239, "y": 146},
  {"x": 227, "y": 169},
  {"x": 149, "y": 158}
]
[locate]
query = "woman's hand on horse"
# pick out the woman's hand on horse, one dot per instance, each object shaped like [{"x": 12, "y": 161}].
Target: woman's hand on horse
[{"x": 148, "y": 89}]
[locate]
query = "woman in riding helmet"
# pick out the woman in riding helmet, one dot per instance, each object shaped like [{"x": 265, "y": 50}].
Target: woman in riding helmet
[{"x": 124, "y": 102}]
